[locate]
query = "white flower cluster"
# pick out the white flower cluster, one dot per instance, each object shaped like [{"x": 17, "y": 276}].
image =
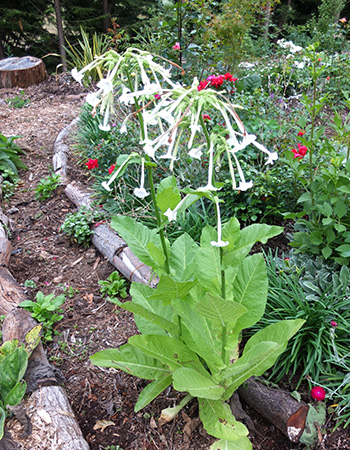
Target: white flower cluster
[
  {"x": 171, "y": 111},
  {"x": 289, "y": 45}
]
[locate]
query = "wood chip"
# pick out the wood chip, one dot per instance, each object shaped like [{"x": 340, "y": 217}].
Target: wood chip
[{"x": 77, "y": 261}]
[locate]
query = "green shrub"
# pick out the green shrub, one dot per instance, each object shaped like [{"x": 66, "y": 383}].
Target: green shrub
[{"x": 10, "y": 162}]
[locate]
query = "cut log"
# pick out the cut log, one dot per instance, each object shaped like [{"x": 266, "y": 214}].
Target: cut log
[
  {"x": 277, "y": 406},
  {"x": 21, "y": 72},
  {"x": 53, "y": 420}
]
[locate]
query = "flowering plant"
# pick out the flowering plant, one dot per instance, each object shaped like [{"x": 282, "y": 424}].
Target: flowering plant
[{"x": 206, "y": 294}]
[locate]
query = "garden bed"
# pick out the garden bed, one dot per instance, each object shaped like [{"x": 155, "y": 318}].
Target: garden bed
[{"x": 102, "y": 399}]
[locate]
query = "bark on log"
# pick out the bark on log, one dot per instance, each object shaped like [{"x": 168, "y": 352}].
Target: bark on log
[
  {"x": 277, "y": 406},
  {"x": 21, "y": 72},
  {"x": 51, "y": 402}
]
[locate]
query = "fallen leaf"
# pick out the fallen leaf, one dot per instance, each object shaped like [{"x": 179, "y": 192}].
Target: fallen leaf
[
  {"x": 152, "y": 423},
  {"x": 102, "y": 424},
  {"x": 89, "y": 298}
]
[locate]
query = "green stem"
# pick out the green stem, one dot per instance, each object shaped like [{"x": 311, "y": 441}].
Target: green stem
[
  {"x": 223, "y": 295},
  {"x": 151, "y": 183},
  {"x": 156, "y": 210}
]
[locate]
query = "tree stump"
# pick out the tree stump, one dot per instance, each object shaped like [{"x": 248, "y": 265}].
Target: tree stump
[{"x": 21, "y": 72}]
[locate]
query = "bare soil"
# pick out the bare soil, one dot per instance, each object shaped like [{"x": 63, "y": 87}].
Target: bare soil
[{"x": 42, "y": 253}]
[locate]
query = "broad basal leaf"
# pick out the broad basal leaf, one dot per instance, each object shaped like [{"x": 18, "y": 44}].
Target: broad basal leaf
[
  {"x": 169, "y": 351},
  {"x": 219, "y": 421},
  {"x": 198, "y": 335},
  {"x": 137, "y": 237},
  {"x": 181, "y": 258},
  {"x": 241, "y": 444},
  {"x": 260, "y": 353},
  {"x": 219, "y": 311},
  {"x": 131, "y": 360},
  {"x": 188, "y": 380},
  {"x": 159, "y": 316},
  {"x": 12, "y": 370},
  {"x": 250, "y": 290},
  {"x": 168, "y": 289},
  {"x": 247, "y": 238},
  {"x": 152, "y": 390}
]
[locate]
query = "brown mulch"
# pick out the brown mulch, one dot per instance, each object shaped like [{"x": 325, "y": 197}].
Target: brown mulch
[{"x": 42, "y": 253}]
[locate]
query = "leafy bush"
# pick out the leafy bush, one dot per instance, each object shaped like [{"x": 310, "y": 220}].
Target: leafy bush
[
  {"x": 78, "y": 225},
  {"x": 10, "y": 162},
  {"x": 300, "y": 287}
]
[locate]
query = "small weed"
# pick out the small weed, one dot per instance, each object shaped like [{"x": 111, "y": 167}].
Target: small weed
[
  {"x": 114, "y": 286},
  {"x": 20, "y": 101},
  {"x": 70, "y": 291},
  {"x": 46, "y": 186},
  {"x": 43, "y": 310},
  {"x": 29, "y": 284}
]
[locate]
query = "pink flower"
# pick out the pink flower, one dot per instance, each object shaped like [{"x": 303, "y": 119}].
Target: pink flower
[
  {"x": 210, "y": 77},
  {"x": 343, "y": 20},
  {"x": 177, "y": 46},
  {"x": 301, "y": 152},
  {"x": 92, "y": 164},
  {"x": 157, "y": 96},
  {"x": 318, "y": 393},
  {"x": 110, "y": 170},
  {"x": 334, "y": 323},
  {"x": 206, "y": 117},
  {"x": 301, "y": 133}
]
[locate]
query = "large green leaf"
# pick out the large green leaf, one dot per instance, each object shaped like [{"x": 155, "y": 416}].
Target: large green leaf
[
  {"x": 2, "y": 421},
  {"x": 250, "y": 290},
  {"x": 198, "y": 334},
  {"x": 16, "y": 394},
  {"x": 138, "y": 237},
  {"x": 279, "y": 332},
  {"x": 219, "y": 421},
  {"x": 169, "y": 351},
  {"x": 131, "y": 360},
  {"x": 188, "y": 380},
  {"x": 219, "y": 311},
  {"x": 207, "y": 262},
  {"x": 181, "y": 258},
  {"x": 247, "y": 238},
  {"x": 152, "y": 390},
  {"x": 159, "y": 316},
  {"x": 254, "y": 362},
  {"x": 12, "y": 370},
  {"x": 168, "y": 289},
  {"x": 260, "y": 353},
  {"x": 241, "y": 444}
]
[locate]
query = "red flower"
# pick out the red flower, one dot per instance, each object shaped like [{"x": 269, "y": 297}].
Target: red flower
[
  {"x": 230, "y": 77},
  {"x": 318, "y": 393},
  {"x": 110, "y": 170},
  {"x": 202, "y": 85},
  {"x": 301, "y": 133},
  {"x": 301, "y": 152},
  {"x": 92, "y": 164},
  {"x": 334, "y": 323},
  {"x": 217, "y": 81},
  {"x": 206, "y": 117}
]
